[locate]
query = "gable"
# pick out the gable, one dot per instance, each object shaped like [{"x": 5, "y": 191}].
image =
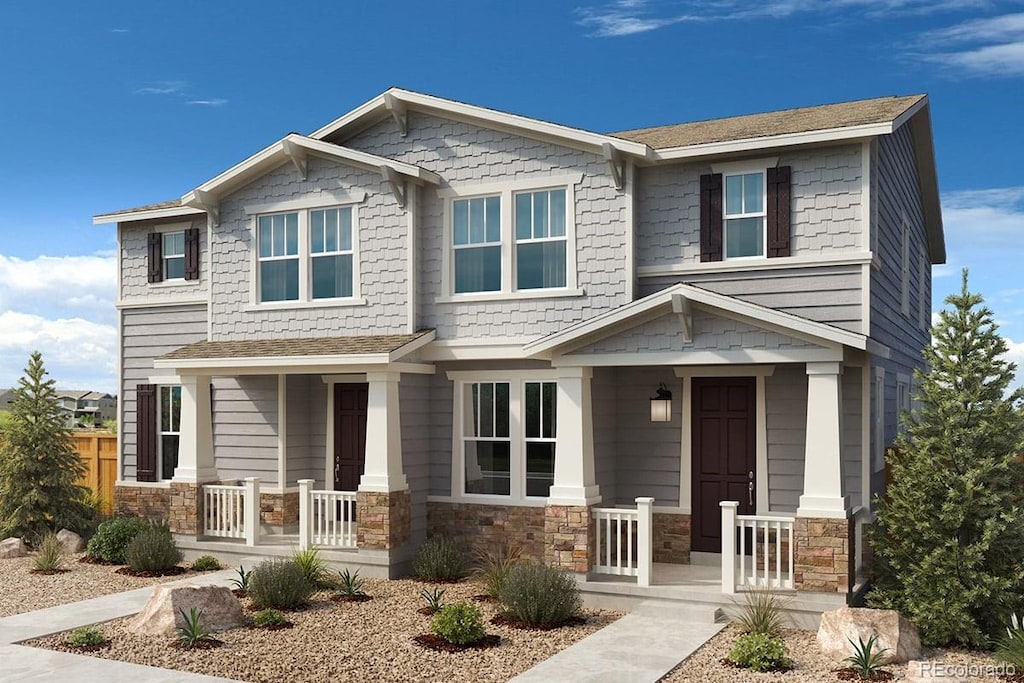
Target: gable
[{"x": 710, "y": 333}]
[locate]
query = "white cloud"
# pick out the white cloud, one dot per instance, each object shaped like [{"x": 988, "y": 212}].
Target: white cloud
[
  {"x": 214, "y": 102},
  {"x": 1015, "y": 354},
  {"x": 162, "y": 88},
  {"x": 991, "y": 46},
  {"x": 62, "y": 307},
  {"x": 985, "y": 217}
]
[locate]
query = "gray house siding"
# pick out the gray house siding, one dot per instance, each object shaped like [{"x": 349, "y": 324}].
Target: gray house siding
[
  {"x": 852, "y": 453},
  {"x": 380, "y": 228},
  {"x": 245, "y": 428},
  {"x": 786, "y": 407},
  {"x": 465, "y": 153},
  {"x": 417, "y": 447},
  {"x": 826, "y": 206},
  {"x": 146, "y": 334},
  {"x": 135, "y": 267},
  {"x": 605, "y": 404},
  {"x": 306, "y": 416},
  {"x": 826, "y": 294}
]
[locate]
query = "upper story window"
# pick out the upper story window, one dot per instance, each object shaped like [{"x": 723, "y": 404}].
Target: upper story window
[
  {"x": 476, "y": 231},
  {"x": 174, "y": 255},
  {"x": 744, "y": 215},
  {"x": 306, "y": 255},
  {"x": 540, "y": 239}
]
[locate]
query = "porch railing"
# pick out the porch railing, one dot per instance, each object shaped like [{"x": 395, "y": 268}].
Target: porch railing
[
  {"x": 326, "y": 517},
  {"x": 232, "y": 511},
  {"x": 757, "y": 550},
  {"x": 624, "y": 545}
]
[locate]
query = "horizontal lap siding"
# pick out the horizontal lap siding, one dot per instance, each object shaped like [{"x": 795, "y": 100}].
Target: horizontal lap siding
[
  {"x": 440, "y": 430},
  {"x": 852, "y": 425},
  {"x": 245, "y": 427},
  {"x": 604, "y": 399},
  {"x": 648, "y": 453},
  {"x": 147, "y": 334},
  {"x": 416, "y": 405},
  {"x": 786, "y": 407},
  {"x": 306, "y": 414}
]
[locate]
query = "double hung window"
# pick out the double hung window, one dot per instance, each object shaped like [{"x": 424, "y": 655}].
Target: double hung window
[
  {"x": 174, "y": 255},
  {"x": 744, "y": 215},
  {"x": 540, "y": 239},
  {"x": 331, "y": 252},
  {"x": 279, "y": 257},
  {"x": 169, "y": 429},
  {"x": 476, "y": 230}
]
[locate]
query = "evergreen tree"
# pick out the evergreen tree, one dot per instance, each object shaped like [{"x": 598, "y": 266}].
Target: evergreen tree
[
  {"x": 949, "y": 540},
  {"x": 39, "y": 467}
]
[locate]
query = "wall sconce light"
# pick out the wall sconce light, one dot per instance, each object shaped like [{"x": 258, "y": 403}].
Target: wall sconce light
[{"x": 661, "y": 405}]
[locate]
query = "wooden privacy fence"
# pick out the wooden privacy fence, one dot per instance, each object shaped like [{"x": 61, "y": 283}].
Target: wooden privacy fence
[{"x": 99, "y": 453}]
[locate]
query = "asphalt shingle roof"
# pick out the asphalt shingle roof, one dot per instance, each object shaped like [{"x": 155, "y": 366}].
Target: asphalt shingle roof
[{"x": 271, "y": 348}]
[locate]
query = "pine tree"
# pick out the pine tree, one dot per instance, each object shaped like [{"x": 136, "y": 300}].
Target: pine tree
[
  {"x": 39, "y": 467},
  {"x": 949, "y": 540}
]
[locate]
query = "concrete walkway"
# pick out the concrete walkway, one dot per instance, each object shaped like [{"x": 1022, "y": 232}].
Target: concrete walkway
[
  {"x": 21, "y": 663},
  {"x": 641, "y": 647}
]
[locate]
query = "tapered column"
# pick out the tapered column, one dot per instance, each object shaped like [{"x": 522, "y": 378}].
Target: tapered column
[
  {"x": 574, "y": 482},
  {"x": 823, "y": 494},
  {"x": 382, "y": 471},
  {"x": 195, "y": 444}
]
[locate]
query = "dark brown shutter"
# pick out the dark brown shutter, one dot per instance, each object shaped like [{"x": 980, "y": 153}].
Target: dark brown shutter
[
  {"x": 156, "y": 266},
  {"x": 145, "y": 432},
  {"x": 192, "y": 254},
  {"x": 711, "y": 217},
  {"x": 778, "y": 211}
]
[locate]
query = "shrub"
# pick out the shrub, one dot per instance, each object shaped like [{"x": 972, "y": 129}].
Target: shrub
[
  {"x": 537, "y": 594},
  {"x": 112, "y": 538},
  {"x": 493, "y": 565},
  {"x": 312, "y": 565},
  {"x": 193, "y": 632},
  {"x": 351, "y": 586},
  {"x": 86, "y": 636},
  {"x": 433, "y": 599},
  {"x": 51, "y": 554},
  {"x": 1010, "y": 648},
  {"x": 441, "y": 559},
  {"x": 279, "y": 584},
  {"x": 461, "y": 623},
  {"x": 761, "y": 612},
  {"x": 760, "y": 652},
  {"x": 153, "y": 550},
  {"x": 206, "y": 563},
  {"x": 865, "y": 660},
  {"x": 267, "y": 618}
]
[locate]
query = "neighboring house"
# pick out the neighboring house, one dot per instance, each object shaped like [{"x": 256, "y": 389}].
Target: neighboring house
[
  {"x": 7, "y": 397},
  {"x": 88, "y": 408},
  {"x": 460, "y": 316}
]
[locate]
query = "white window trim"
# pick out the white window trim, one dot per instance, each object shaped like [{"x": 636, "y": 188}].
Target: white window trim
[
  {"x": 164, "y": 257},
  {"x": 180, "y": 226},
  {"x": 160, "y": 433},
  {"x": 305, "y": 257},
  {"x": 507, "y": 191},
  {"x": 517, "y": 380},
  {"x": 734, "y": 168},
  {"x": 903, "y": 398}
]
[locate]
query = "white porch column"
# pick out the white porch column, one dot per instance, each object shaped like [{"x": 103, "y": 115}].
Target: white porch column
[
  {"x": 383, "y": 469},
  {"x": 823, "y": 462},
  {"x": 575, "y": 481},
  {"x": 195, "y": 446}
]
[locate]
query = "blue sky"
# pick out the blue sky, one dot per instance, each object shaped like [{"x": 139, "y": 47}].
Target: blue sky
[{"x": 114, "y": 104}]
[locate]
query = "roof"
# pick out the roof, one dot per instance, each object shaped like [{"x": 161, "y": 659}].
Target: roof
[
  {"x": 168, "y": 209},
  {"x": 317, "y": 346},
  {"x": 880, "y": 110}
]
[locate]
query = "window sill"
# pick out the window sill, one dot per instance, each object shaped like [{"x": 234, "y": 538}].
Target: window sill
[
  {"x": 320, "y": 303},
  {"x": 175, "y": 283},
  {"x": 510, "y": 296}
]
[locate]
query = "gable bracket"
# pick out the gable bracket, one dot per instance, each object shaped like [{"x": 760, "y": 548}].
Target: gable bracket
[
  {"x": 209, "y": 204},
  {"x": 615, "y": 165},
  {"x": 297, "y": 156},
  {"x": 398, "y": 112},
  {"x": 681, "y": 306},
  {"x": 396, "y": 182}
]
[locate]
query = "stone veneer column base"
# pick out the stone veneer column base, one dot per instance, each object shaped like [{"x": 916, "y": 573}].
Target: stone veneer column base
[
  {"x": 383, "y": 519},
  {"x": 568, "y": 537},
  {"x": 822, "y": 558},
  {"x": 279, "y": 509},
  {"x": 185, "y": 510},
  {"x": 671, "y": 538},
  {"x": 489, "y": 527},
  {"x": 149, "y": 502}
]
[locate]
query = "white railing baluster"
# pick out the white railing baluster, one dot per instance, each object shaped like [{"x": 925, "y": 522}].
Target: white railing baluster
[
  {"x": 770, "y": 537},
  {"x": 329, "y": 516},
  {"x": 224, "y": 510},
  {"x": 617, "y": 529}
]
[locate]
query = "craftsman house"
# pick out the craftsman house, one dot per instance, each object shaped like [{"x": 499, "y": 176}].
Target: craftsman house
[{"x": 428, "y": 317}]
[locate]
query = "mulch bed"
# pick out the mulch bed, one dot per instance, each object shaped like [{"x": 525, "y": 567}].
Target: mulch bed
[
  {"x": 485, "y": 598},
  {"x": 92, "y": 648},
  {"x": 505, "y": 620},
  {"x": 239, "y": 593},
  {"x": 439, "y": 581},
  {"x": 173, "y": 571},
  {"x": 439, "y": 644},
  {"x": 88, "y": 559},
  {"x": 207, "y": 644},
  {"x": 428, "y": 611},
  {"x": 850, "y": 674},
  {"x": 48, "y": 572},
  {"x": 337, "y": 597},
  {"x": 728, "y": 663}
]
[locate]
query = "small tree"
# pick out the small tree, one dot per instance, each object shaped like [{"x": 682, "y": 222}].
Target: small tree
[
  {"x": 39, "y": 467},
  {"x": 949, "y": 542}
]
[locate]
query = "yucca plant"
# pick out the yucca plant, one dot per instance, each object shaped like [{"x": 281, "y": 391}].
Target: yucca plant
[
  {"x": 350, "y": 585},
  {"x": 51, "y": 555},
  {"x": 761, "y": 612},
  {"x": 312, "y": 565},
  {"x": 493, "y": 564},
  {"x": 193, "y": 632},
  {"x": 865, "y": 660},
  {"x": 242, "y": 582},
  {"x": 1010, "y": 648},
  {"x": 433, "y": 598}
]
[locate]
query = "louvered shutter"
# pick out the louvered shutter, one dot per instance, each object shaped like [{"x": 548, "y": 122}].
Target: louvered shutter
[
  {"x": 145, "y": 432},
  {"x": 156, "y": 266},
  {"x": 192, "y": 254},
  {"x": 711, "y": 217},
  {"x": 778, "y": 211}
]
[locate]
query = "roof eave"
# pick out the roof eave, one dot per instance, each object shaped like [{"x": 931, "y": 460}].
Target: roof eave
[
  {"x": 928, "y": 181},
  {"x": 125, "y": 217}
]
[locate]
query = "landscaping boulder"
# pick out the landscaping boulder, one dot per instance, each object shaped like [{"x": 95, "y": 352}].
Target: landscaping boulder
[
  {"x": 162, "y": 614},
  {"x": 12, "y": 547},
  {"x": 71, "y": 541},
  {"x": 895, "y": 634}
]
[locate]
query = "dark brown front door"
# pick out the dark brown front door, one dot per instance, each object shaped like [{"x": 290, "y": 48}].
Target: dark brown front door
[
  {"x": 349, "y": 435},
  {"x": 723, "y": 454}
]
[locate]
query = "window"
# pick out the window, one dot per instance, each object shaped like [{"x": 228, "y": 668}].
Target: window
[
  {"x": 540, "y": 239},
  {"x": 744, "y": 215},
  {"x": 331, "y": 252},
  {"x": 169, "y": 429},
  {"x": 506, "y": 441},
  {"x": 476, "y": 231},
  {"x": 309, "y": 255},
  {"x": 174, "y": 255}
]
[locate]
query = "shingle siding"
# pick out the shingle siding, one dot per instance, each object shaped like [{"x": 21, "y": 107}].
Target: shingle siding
[{"x": 134, "y": 263}]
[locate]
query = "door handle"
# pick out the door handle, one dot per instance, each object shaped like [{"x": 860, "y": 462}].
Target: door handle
[{"x": 750, "y": 494}]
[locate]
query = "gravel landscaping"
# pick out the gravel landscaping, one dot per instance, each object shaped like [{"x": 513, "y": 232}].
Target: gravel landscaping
[
  {"x": 704, "y": 665},
  {"x": 25, "y": 592},
  {"x": 368, "y": 641}
]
